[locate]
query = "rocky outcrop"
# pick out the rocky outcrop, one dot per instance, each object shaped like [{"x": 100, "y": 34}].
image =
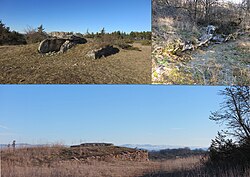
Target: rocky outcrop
[
  {"x": 218, "y": 39},
  {"x": 57, "y": 34},
  {"x": 60, "y": 45},
  {"x": 66, "y": 45},
  {"x": 208, "y": 37},
  {"x": 102, "y": 52},
  {"x": 138, "y": 156},
  {"x": 50, "y": 45},
  {"x": 210, "y": 29},
  {"x": 106, "y": 152}
]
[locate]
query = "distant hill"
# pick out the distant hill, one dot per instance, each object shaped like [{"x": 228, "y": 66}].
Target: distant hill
[
  {"x": 17, "y": 145},
  {"x": 150, "y": 147}
]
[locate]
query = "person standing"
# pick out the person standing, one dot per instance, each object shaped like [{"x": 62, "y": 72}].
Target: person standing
[{"x": 14, "y": 144}]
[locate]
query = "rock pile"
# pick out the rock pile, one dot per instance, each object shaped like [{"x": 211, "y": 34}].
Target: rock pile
[
  {"x": 60, "y": 45},
  {"x": 138, "y": 156},
  {"x": 210, "y": 36},
  {"x": 106, "y": 152},
  {"x": 102, "y": 52}
]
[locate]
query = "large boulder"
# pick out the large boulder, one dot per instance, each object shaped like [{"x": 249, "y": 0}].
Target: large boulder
[
  {"x": 76, "y": 39},
  {"x": 60, "y": 44},
  {"x": 57, "y": 34},
  {"x": 66, "y": 45},
  {"x": 218, "y": 39},
  {"x": 210, "y": 29},
  {"x": 50, "y": 45},
  {"x": 102, "y": 52}
]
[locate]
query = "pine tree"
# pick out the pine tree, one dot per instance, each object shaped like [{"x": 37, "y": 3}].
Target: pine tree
[{"x": 40, "y": 29}]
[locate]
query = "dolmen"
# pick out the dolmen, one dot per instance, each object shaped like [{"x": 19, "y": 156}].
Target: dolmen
[
  {"x": 105, "y": 51},
  {"x": 60, "y": 45}
]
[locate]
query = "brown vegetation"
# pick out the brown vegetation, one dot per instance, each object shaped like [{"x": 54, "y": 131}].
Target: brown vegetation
[
  {"x": 182, "y": 23},
  {"x": 23, "y": 64},
  {"x": 56, "y": 161},
  {"x": 60, "y": 161}
]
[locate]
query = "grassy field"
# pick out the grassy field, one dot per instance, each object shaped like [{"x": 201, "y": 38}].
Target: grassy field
[
  {"x": 24, "y": 65},
  {"x": 51, "y": 162},
  {"x": 60, "y": 161}
]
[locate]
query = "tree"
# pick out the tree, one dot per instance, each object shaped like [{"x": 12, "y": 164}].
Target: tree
[
  {"x": 8, "y": 37},
  {"x": 208, "y": 5},
  {"x": 87, "y": 32},
  {"x": 103, "y": 31},
  {"x": 235, "y": 112},
  {"x": 40, "y": 29},
  {"x": 35, "y": 35}
]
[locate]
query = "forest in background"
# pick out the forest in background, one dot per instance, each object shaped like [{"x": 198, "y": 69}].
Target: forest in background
[{"x": 34, "y": 35}]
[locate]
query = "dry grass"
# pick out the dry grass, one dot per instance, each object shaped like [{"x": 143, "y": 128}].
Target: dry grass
[
  {"x": 76, "y": 169},
  {"x": 51, "y": 162},
  {"x": 220, "y": 64},
  {"x": 23, "y": 65}
]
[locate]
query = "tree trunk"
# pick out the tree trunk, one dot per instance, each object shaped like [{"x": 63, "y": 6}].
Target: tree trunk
[{"x": 195, "y": 10}]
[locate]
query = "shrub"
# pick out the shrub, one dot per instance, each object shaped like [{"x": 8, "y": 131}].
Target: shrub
[
  {"x": 34, "y": 36},
  {"x": 146, "y": 42},
  {"x": 8, "y": 37},
  {"x": 127, "y": 46}
]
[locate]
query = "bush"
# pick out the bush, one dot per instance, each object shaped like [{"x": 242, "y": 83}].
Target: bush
[
  {"x": 8, "y": 37},
  {"x": 146, "y": 42},
  {"x": 34, "y": 36},
  {"x": 127, "y": 46}
]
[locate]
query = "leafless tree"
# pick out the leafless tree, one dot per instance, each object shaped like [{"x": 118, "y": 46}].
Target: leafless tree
[{"x": 235, "y": 112}]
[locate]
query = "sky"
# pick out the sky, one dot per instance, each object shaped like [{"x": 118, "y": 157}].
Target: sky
[
  {"x": 143, "y": 114},
  {"x": 77, "y": 15}
]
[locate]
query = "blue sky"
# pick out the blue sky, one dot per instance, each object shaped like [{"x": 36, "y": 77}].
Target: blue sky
[
  {"x": 160, "y": 115},
  {"x": 77, "y": 15}
]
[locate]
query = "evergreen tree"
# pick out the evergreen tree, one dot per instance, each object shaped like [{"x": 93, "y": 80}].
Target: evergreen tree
[
  {"x": 40, "y": 29},
  {"x": 103, "y": 31}
]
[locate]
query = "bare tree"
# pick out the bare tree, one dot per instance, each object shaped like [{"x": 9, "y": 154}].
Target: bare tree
[
  {"x": 207, "y": 6},
  {"x": 235, "y": 112}
]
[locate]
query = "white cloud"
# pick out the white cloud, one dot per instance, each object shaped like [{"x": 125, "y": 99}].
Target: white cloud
[{"x": 4, "y": 127}]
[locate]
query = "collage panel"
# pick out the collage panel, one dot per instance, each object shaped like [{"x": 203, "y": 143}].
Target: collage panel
[
  {"x": 91, "y": 42},
  {"x": 201, "y": 42},
  {"x": 116, "y": 131}
]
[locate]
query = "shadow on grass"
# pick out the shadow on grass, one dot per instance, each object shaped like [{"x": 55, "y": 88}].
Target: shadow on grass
[
  {"x": 204, "y": 172},
  {"x": 183, "y": 173}
]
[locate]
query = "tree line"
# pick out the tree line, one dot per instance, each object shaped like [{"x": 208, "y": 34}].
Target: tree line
[
  {"x": 215, "y": 12},
  {"x": 34, "y": 35},
  {"x": 175, "y": 153},
  {"x": 8, "y": 37},
  {"x": 144, "y": 35}
]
